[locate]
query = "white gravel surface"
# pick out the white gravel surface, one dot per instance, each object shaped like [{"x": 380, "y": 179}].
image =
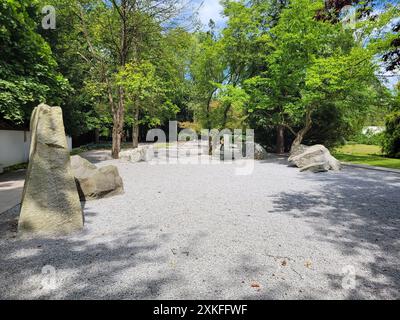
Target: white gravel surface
[{"x": 201, "y": 232}]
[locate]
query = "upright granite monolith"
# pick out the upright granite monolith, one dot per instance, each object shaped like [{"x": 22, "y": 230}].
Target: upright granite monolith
[{"x": 50, "y": 201}]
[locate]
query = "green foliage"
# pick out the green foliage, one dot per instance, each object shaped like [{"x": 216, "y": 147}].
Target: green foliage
[
  {"x": 329, "y": 128},
  {"x": 391, "y": 139},
  {"x": 366, "y": 155},
  {"x": 276, "y": 63},
  {"x": 368, "y": 139},
  {"x": 28, "y": 71},
  {"x": 313, "y": 67},
  {"x": 206, "y": 73}
]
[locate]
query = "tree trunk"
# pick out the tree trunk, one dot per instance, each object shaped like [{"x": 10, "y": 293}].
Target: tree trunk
[
  {"x": 280, "y": 139},
  {"x": 116, "y": 142},
  {"x": 118, "y": 124},
  {"x": 97, "y": 136},
  {"x": 210, "y": 139},
  {"x": 135, "y": 130},
  {"x": 299, "y": 138},
  {"x": 302, "y": 133},
  {"x": 225, "y": 118}
]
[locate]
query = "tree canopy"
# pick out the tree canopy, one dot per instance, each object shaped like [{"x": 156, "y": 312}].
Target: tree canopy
[
  {"x": 28, "y": 70},
  {"x": 288, "y": 68}
]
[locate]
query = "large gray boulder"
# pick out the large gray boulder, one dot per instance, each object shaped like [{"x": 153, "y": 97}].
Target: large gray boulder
[
  {"x": 94, "y": 183},
  {"x": 50, "y": 202},
  {"x": 316, "y": 158}
]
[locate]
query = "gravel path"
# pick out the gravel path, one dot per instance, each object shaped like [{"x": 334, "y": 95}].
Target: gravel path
[{"x": 201, "y": 232}]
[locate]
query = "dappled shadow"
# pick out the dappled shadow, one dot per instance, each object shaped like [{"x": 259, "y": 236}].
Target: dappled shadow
[
  {"x": 11, "y": 186},
  {"x": 276, "y": 159},
  {"x": 87, "y": 265},
  {"x": 93, "y": 263},
  {"x": 358, "y": 212}
]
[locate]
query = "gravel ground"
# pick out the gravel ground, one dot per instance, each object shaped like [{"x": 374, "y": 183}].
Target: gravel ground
[{"x": 202, "y": 232}]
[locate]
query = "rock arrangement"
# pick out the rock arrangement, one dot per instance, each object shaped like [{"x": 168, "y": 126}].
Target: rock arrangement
[
  {"x": 95, "y": 183},
  {"x": 50, "y": 201},
  {"x": 316, "y": 158},
  {"x": 135, "y": 155}
]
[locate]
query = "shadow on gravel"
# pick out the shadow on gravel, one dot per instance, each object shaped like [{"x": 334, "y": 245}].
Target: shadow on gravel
[
  {"x": 84, "y": 270},
  {"x": 355, "y": 210},
  {"x": 276, "y": 159}
]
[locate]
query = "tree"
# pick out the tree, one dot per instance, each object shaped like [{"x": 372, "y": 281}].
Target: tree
[
  {"x": 311, "y": 63},
  {"x": 243, "y": 40},
  {"x": 391, "y": 136},
  {"x": 28, "y": 71},
  {"x": 79, "y": 105},
  {"x": 116, "y": 32},
  {"x": 206, "y": 72},
  {"x": 147, "y": 94}
]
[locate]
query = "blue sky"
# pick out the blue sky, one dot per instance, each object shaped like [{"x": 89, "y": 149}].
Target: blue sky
[{"x": 211, "y": 9}]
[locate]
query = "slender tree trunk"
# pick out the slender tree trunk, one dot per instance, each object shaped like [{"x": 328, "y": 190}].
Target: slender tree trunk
[
  {"x": 116, "y": 142},
  {"x": 299, "y": 138},
  {"x": 118, "y": 127},
  {"x": 119, "y": 113},
  {"x": 97, "y": 136},
  {"x": 225, "y": 118},
  {"x": 302, "y": 133},
  {"x": 118, "y": 124},
  {"x": 280, "y": 139},
  {"x": 210, "y": 140},
  {"x": 135, "y": 130}
]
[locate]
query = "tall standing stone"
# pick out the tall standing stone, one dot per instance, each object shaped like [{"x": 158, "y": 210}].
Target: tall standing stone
[{"x": 50, "y": 201}]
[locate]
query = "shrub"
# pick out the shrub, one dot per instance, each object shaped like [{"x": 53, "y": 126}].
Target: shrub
[
  {"x": 369, "y": 139},
  {"x": 391, "y": 139}
]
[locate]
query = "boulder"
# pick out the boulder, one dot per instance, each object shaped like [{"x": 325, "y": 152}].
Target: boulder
[
  {"x": 297, "y": 150},
  {"x": 259, "y": 152},
  {"x": 50, "y": 201},
  {"x": 316, "y": 158},
  {"x": 135, "y": 155},
  {"x": 94, "y": 183}
]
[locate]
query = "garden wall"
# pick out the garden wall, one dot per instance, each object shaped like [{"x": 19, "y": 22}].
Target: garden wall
[{"x": 14, "y": 147}]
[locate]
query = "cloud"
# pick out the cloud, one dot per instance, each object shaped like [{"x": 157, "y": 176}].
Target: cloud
[{"x": 211, "y": 9}]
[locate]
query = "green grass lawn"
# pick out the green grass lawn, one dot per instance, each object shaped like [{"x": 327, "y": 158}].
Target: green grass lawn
[{"x": 365, "y": 154}]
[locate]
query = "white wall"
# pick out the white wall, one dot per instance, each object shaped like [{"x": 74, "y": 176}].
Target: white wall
[{"x": 14, "y": 147}]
